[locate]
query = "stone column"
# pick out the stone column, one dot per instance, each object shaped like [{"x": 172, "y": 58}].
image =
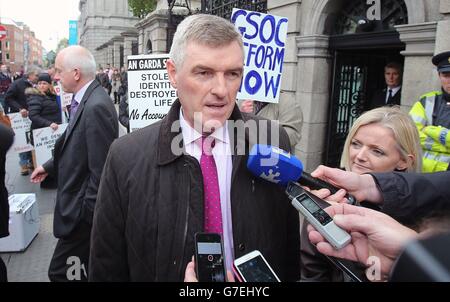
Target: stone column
[
  {"x": 291, "y": 10},
  {"x": 443, "y": 28},
  {"x": 419, "y": 74},
  {"x": 100, "y": 56},
  {"x": 109, "y": 53},
  {"x": 313, "y": 75},
  {"x": 159, "y": 34},
  {"x": 117, "y": 42},
  {"x": 141, "y": 40},
  {"x": 128, "y": 38}
]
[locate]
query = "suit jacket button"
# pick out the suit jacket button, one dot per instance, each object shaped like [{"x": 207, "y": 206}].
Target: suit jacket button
[{"x": 241, "y": 247}]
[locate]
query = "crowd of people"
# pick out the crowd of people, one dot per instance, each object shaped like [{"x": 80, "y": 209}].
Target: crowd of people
[{"x": 129, "y": 207}]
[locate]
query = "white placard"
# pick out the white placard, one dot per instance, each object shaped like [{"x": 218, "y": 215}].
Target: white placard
[
  {"x": 21, "y": 127},
  {"x": 150, "y": 94},
  {"x": 66, "y": 98},
  {"x": 44, "y": 142},
  {"x": 264, "y": 38}
]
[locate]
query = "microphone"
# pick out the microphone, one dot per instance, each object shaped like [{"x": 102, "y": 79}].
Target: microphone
[{"x": 278, "y": 166}]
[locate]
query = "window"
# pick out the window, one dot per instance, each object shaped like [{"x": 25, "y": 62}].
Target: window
[{"x": 353, "y": 17}]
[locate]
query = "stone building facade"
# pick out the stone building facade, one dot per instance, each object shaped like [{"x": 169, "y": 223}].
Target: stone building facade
[
  {"x": 106, "y": 27},
  {"x": 156, "y": 30}
]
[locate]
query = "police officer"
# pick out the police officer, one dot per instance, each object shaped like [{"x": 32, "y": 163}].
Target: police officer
[{"x": 432, "y": 117}]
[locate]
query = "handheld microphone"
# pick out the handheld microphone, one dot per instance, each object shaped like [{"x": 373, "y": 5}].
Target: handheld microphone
[{"x": 278, "y": 166}]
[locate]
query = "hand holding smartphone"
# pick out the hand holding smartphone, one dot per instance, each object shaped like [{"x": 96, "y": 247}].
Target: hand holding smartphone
[
  {"x": 209, "y": 259},
  {"x": 253, "y": 267}
]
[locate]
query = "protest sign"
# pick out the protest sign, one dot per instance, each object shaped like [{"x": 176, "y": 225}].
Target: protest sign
[
  {"x": 150, "y": 94},
  {"x": 22, "y": 138},
  {"x": 44, "y": 142},
  {"x": 264, "y": 38}
]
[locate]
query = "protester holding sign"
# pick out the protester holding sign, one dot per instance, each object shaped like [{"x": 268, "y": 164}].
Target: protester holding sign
[
  {"x": 264, "y": 44},
  {"x": 42, "y": 106},
  {"x": 264, "y": 38},
  {"x": 17, "y": 102},
  {"x": 44, "y": 112}
]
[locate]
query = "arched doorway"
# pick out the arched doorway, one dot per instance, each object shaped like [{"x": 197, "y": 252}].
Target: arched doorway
[{"x": 360, "y": 49}]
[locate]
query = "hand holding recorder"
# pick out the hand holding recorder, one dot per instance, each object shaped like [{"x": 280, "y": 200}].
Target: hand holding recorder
[{"x": 372, "y": 234}]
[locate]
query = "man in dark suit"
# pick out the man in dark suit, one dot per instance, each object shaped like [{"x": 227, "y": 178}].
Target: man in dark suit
[
  {"x": 391, "y": 95},
  {"x": 78, "y": 162},
  {"x": 188, "y": 173},
  {"x": 6, "y": 140}
]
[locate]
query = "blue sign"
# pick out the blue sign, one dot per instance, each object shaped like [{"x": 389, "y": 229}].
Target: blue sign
[
  {"x": 264, "y": 38},
  {"x": 73, "y": 32}
]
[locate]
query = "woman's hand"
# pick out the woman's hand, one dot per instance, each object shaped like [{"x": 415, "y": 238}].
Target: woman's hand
[{"x": 54, "y": 126}]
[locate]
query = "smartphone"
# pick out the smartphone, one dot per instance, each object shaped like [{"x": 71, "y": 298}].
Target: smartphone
[
  {"x": 307, "y": 205},
  {"x": 209, "y": 260},
  {"x": 253, "y": 267}
]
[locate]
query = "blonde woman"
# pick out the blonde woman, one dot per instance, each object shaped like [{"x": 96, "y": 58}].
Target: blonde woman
[
  {"x": 381, "y": 140},
  {"x": 42, "y": 105}
]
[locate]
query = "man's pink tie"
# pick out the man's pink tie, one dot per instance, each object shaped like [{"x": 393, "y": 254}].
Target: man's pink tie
[{"x": 213, "y": 213}]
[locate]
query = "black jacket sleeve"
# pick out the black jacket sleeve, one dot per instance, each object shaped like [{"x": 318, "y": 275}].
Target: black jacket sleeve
[
  {"x": 11, "y": 97},
  {"x": 408, "y": 196},
  {"x": 425, "y": 260},
  {"x": 108, "y": 253},
  {"x": 6, "y": 140},
  {"x": 123, "y": 112}
]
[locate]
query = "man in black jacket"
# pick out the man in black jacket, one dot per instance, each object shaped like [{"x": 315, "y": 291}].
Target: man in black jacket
[
  {"x": 392, "y": 94},
  {"x": 6, "y": 140},
  {"x": 162, "y": 184},
  {"x": 78, "y": 161},
  {"x": 16, "y": 100}
]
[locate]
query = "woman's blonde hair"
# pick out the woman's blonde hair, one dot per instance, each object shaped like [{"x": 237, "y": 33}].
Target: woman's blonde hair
[
  {"x": 403, "y": 128},
  {"x": 51, "y": 89}
]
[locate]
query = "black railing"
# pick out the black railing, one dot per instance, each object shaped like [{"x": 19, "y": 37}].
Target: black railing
[{"x": 224, "y": 8}]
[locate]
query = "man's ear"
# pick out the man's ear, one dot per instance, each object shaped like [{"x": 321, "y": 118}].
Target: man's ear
[
  {"x": 77, "y": 75},
  {"x": 172, "y": 71}
]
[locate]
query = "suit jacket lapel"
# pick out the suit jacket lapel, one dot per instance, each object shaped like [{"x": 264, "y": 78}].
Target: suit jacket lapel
[{"x": 80, "y": 109}]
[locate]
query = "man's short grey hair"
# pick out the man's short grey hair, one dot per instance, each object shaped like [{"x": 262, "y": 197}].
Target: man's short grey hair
[
  {"x": 206, "y": 30},
  {"x": 78, "y": 57},
  {"x": 33, "y": 70}
]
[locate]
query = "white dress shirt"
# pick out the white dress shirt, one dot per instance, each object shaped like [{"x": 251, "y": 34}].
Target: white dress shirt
[
  {"x": 394, "y": 92},
  {"x": 222, "y": 156},
  {"x": 80, "y": 94}
]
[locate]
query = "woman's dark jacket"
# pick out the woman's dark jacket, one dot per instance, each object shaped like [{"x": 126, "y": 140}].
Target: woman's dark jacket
[{"x": 43, "y": 109}]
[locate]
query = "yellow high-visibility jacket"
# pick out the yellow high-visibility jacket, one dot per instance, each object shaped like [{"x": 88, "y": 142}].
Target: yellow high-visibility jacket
[{"x": 432, "y": 117}]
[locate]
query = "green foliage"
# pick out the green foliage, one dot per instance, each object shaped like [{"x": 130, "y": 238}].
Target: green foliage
[
  {"x": 140, "y": 8},
  {"x": 63, "y": 43}
]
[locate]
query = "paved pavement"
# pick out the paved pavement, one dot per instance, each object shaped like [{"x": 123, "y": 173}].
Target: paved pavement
[{"x": 32, "y": 264}]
